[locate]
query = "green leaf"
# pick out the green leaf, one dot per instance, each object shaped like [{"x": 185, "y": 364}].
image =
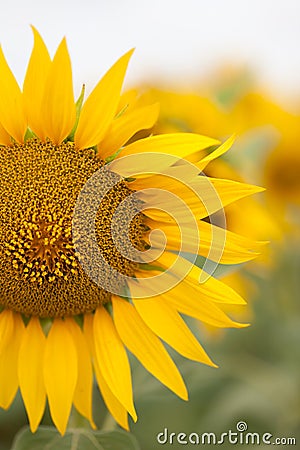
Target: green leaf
[{"x": 74, "y": 439}]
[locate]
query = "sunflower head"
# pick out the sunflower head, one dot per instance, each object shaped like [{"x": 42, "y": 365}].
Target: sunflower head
[{"x": 81, "y": 193}]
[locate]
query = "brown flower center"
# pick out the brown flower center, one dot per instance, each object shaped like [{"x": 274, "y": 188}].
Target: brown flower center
[{"x": 39, "y": 270}]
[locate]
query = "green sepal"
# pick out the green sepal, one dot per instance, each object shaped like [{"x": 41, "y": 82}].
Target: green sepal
[
  {"x": 78, "y": 111},
  {"x": 79, "y": 320},
  {"x": 29, "y": 134},
  {"x": 146, "y": 266},
  {"x": 126, "y": 295},
  {"x": 112, "y": 157},
  {"x": 120, "y": 113}
]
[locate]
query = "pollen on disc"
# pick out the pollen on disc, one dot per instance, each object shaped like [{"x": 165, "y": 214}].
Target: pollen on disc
[{"x": 40, "y": 273}]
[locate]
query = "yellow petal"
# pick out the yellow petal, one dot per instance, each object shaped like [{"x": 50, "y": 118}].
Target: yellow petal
[
  {"x": 185, "y": 297},
  {"x": 127, "y": 100},
  {"x": 123, "y": 128},
  {"x": 4, "y": 137},
  {"x": 143, "y": 162},
  {"x": 215, "y": 243},
  {"x": 100, "y": 107},
  {"x": 11, "y": 332},
  {"x": 34, "y": 85},
  {"x": 198, "y": 307},
  {"x": 168, "y": 149},
  {"x": 164, "y": 321},
  {"x": 213, "y": 289},
  {"x": 111, "y": 357},
  {"x": 60, "y": 373},
  {"x": 187, "y": 300},
  {"x": 83, "y": 391},
  {"x": 30, "y": 371},
  {"x": 12, "y": 116},
  {"x": 173, "y": 178},
  {"x": 58, "y": 107},
  {"x": 88, "y": 326},
  {"x": 6, "y": 327},
  {"x": 146, "y": 346},
  {"x": 216, "y": 153},
  {"x": 227, "y": 190},
  {"x": 116, "y": 409},
  {"x": 236, "y": 248},
  {"x": 177, "y": 144},
  {"x": 209, "y": 196}
]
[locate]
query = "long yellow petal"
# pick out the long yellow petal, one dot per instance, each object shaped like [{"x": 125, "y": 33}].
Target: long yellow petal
[
  {"x": 112, "y": 359},
  {"x": 116, "y": 409},
  {"x": 60, "y": 373},
  {"x": 34, "y": 85},
  {"x": 12, "y": 115},
  {"x": 228, "y": 191},
  {"x": 186, "y": 298},
  {"x": 4, "y": 137},
  {"x": 186, "y": 301},
  {"x": 177, "y": 144},
  {"x": 146, "y": 346},
  {"x": 211, "y": 195},
  {"x": 237, "y": 248},
  {"x": 215, "y": 243},
  {"x": 173, "y": 178},
  {"x": 123, "y": 128},
  {"x": 127, "y": 100},
  {"x": 100, "y": 107},
  {"x": 88, "y": 331},
  {"x": 213, "y": 289},
  {"x": 30, "y": 372},
  {"x": 11, "y": 332},
  {"x": 84, "y": 387},
  {"x": 164, "y": 321},
  {"x": 216, "y": 153},
  {"x": 58, "y": 107}
]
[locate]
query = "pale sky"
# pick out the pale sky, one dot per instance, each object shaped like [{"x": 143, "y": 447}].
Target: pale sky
[{"x": 173, "y": 38}]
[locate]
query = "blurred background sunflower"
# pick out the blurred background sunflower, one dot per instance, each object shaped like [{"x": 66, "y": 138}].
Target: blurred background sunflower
[{"x": 181, "y": 48}]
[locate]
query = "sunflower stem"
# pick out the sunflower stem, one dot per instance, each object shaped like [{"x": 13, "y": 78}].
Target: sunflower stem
[
  {"x": 78, "y": 421},
  {"x": 109, "y": 423}
]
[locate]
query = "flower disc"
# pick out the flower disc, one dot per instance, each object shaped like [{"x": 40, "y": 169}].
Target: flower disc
[{"x": 39, "y": 270}]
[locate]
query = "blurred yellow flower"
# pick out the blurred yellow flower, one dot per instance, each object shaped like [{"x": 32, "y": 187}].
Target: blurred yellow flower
[{"x": 202, "y": 112}]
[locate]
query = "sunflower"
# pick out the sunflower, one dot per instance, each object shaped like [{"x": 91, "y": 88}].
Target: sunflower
[{"x": 58, "y": 325}]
